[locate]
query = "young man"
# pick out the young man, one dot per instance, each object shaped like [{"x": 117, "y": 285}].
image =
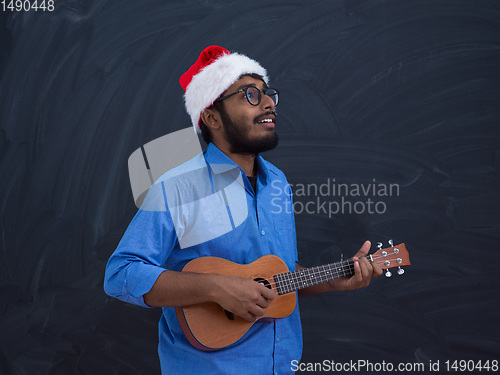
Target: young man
[{"x": 219, "y": 204}]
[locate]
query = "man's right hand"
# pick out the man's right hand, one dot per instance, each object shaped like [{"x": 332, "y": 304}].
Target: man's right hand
[{"x": 243, "y": 297}]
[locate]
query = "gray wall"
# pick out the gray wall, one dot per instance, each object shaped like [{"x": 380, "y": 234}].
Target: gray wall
[{"x": 373, "y": 92}]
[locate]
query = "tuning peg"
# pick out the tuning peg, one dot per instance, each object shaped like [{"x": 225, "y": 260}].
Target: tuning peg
[
  {"x": 391, "y": 243},
  {"x": 400, "y": 271},
  {"x": 388, "y": 273},
  {"x": 379, "y": 245}
]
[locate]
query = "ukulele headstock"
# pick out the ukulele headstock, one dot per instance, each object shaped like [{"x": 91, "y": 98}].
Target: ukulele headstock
[{"x": 393, "y": 256}]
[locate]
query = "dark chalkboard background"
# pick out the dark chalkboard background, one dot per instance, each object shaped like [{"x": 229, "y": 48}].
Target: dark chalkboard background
[{"x": 401, "y": 92}]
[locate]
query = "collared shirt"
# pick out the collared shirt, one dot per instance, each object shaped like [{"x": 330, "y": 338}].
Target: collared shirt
[{"x": 199, "y": 209}]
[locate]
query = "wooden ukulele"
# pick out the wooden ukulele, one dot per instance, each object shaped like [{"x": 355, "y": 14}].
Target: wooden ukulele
[{"x": 209, "y": 327}]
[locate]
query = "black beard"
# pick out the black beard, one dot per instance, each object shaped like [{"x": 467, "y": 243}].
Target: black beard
[{"x": 237, "y": 136}]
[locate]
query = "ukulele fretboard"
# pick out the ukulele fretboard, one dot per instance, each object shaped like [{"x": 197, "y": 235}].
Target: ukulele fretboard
[{"x": 291, "y": 281}]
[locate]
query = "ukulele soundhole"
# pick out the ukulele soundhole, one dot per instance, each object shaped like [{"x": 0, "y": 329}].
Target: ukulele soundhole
[
  {"x": 263, "y": 282},
  {"x": 229, "y": 314}
]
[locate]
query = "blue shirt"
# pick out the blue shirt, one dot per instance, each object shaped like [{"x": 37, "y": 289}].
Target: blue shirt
[{"x": 181, "y": 220}]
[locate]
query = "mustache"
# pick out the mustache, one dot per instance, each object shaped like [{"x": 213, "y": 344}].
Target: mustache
[{"x": 259, "y": 117}]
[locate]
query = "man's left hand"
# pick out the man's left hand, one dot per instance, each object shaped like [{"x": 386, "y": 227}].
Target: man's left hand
[{"x": 364, "y": 272}]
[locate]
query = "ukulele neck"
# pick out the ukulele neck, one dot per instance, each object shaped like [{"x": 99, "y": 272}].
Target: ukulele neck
[{"x": 291, "y": 281}]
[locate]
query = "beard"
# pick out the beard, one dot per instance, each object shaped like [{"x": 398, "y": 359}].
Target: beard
[{"x": 237, "y": 136}]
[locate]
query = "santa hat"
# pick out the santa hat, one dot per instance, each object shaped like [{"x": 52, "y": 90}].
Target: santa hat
[{"x": 213, "y": 73}]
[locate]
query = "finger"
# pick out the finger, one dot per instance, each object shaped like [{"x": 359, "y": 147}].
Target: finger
[
  {"x": 257, "y": 311},
  {"x": 366, "y": 268},
  {"x": 262, "y": 302},
  {"x": 358, "y": 276},
  {"x": 377, "y": 270},
  {"x": 249, "y": 317},
  {"x": 268, "y": 294},
  {"x": 365, "y": 248},
  {"x": 364, "y": 275}
]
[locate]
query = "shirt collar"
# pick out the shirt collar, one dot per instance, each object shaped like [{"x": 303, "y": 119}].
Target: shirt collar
[{"x": 220, "y": 163}]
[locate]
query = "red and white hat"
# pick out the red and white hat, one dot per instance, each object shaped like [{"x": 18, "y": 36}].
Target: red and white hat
[{"x": 213, "y": 73}]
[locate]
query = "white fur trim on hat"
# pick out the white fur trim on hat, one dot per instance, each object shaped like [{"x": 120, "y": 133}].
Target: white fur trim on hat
[{"x": 214, "y": 79}]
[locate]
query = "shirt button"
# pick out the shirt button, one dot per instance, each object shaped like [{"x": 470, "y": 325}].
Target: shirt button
[{"x": 262, "y": 232}]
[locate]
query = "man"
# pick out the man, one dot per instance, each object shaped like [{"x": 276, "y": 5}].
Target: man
[{"x": 197, "y": 210}]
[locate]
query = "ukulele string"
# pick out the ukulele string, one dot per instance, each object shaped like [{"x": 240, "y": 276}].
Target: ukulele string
[
  {"x": 346, "y": 267},
  {"x": 297, "y": 277},
  {"x": 338, "y": 268},
  {"x": 382, "y": 256}
]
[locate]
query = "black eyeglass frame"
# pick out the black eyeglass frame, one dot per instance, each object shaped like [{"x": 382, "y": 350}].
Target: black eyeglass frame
[{"x": 259, "y": 97}]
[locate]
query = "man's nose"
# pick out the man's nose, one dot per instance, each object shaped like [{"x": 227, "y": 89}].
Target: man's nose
[{"x": 266, "y": 102}]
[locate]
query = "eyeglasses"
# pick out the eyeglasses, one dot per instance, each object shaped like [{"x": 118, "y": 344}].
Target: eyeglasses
[{"x": 253, "y": 95}]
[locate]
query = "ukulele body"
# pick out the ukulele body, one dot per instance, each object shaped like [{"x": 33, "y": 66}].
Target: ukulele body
[{"x": 208, "y": 326}]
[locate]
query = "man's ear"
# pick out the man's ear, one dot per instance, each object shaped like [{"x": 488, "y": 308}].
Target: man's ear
[{"x": 211, "y": 118}]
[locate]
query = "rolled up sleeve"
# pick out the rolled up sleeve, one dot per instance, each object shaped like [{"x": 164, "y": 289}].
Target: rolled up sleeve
[{"x": 139, "y": 259}]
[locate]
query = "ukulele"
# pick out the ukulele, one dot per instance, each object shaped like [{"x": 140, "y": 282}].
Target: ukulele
[{"x": 209, "y": 327}]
